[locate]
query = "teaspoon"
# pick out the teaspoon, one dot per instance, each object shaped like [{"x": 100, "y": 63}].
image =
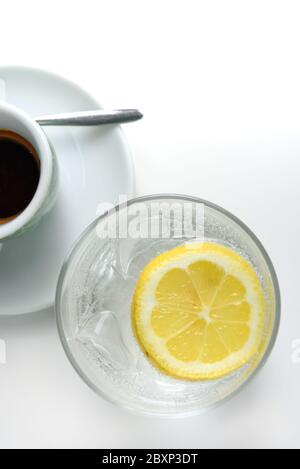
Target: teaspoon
[{"x": 99, "y": 117}]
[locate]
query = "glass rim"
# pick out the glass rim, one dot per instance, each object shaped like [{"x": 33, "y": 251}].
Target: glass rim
[{"x": 149, "y": 198}]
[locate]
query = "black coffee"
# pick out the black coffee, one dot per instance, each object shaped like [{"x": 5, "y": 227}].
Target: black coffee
[{"x": 19, "y": 174}]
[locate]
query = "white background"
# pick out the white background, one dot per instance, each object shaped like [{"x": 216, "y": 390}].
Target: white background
[{"x": 219, "y": 84}]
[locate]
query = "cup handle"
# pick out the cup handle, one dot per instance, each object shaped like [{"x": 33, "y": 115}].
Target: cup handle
[{"x": 2, "y": 90}]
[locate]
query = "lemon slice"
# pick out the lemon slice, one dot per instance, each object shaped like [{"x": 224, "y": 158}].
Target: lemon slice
[{"x": 198, "y": 311}]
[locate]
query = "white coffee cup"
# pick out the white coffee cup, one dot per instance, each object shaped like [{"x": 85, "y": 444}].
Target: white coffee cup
[{"x": 16, "y": 120}]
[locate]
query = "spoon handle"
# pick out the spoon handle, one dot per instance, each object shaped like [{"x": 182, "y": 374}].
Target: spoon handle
[{"x": 91, "y": 117}]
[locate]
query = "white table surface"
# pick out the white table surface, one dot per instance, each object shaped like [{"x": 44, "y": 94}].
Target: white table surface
[{"x": 219, "y": 84}]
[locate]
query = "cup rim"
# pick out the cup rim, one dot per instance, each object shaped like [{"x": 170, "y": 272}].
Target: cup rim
[
  {"x": 64, "y": 340},
  {"x": 45, "y": 155}
]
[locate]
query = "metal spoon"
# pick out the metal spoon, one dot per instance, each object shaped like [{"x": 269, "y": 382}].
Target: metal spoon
[{"x": 91, "y": 117}]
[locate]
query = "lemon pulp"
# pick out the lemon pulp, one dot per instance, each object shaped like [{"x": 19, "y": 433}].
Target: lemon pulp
[{"x": 198, "y": 311}]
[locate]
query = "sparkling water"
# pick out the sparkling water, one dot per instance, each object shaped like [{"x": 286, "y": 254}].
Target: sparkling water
[{"x": 96, "y": 302}]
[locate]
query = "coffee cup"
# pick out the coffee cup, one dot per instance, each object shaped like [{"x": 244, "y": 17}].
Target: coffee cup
[{"x": 28, "y": 173}]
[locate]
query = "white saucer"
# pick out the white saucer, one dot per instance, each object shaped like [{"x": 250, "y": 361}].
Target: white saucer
[{"x": 95, "y": 166}]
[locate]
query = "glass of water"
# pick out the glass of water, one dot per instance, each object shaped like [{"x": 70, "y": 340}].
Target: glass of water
[{"x": 96, "y": 288}]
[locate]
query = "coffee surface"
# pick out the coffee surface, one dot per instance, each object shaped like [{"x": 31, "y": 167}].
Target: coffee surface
[{"x": 19, "y": 174}]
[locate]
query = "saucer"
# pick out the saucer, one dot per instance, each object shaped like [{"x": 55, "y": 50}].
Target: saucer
[{"x": 95, "y": 167}]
